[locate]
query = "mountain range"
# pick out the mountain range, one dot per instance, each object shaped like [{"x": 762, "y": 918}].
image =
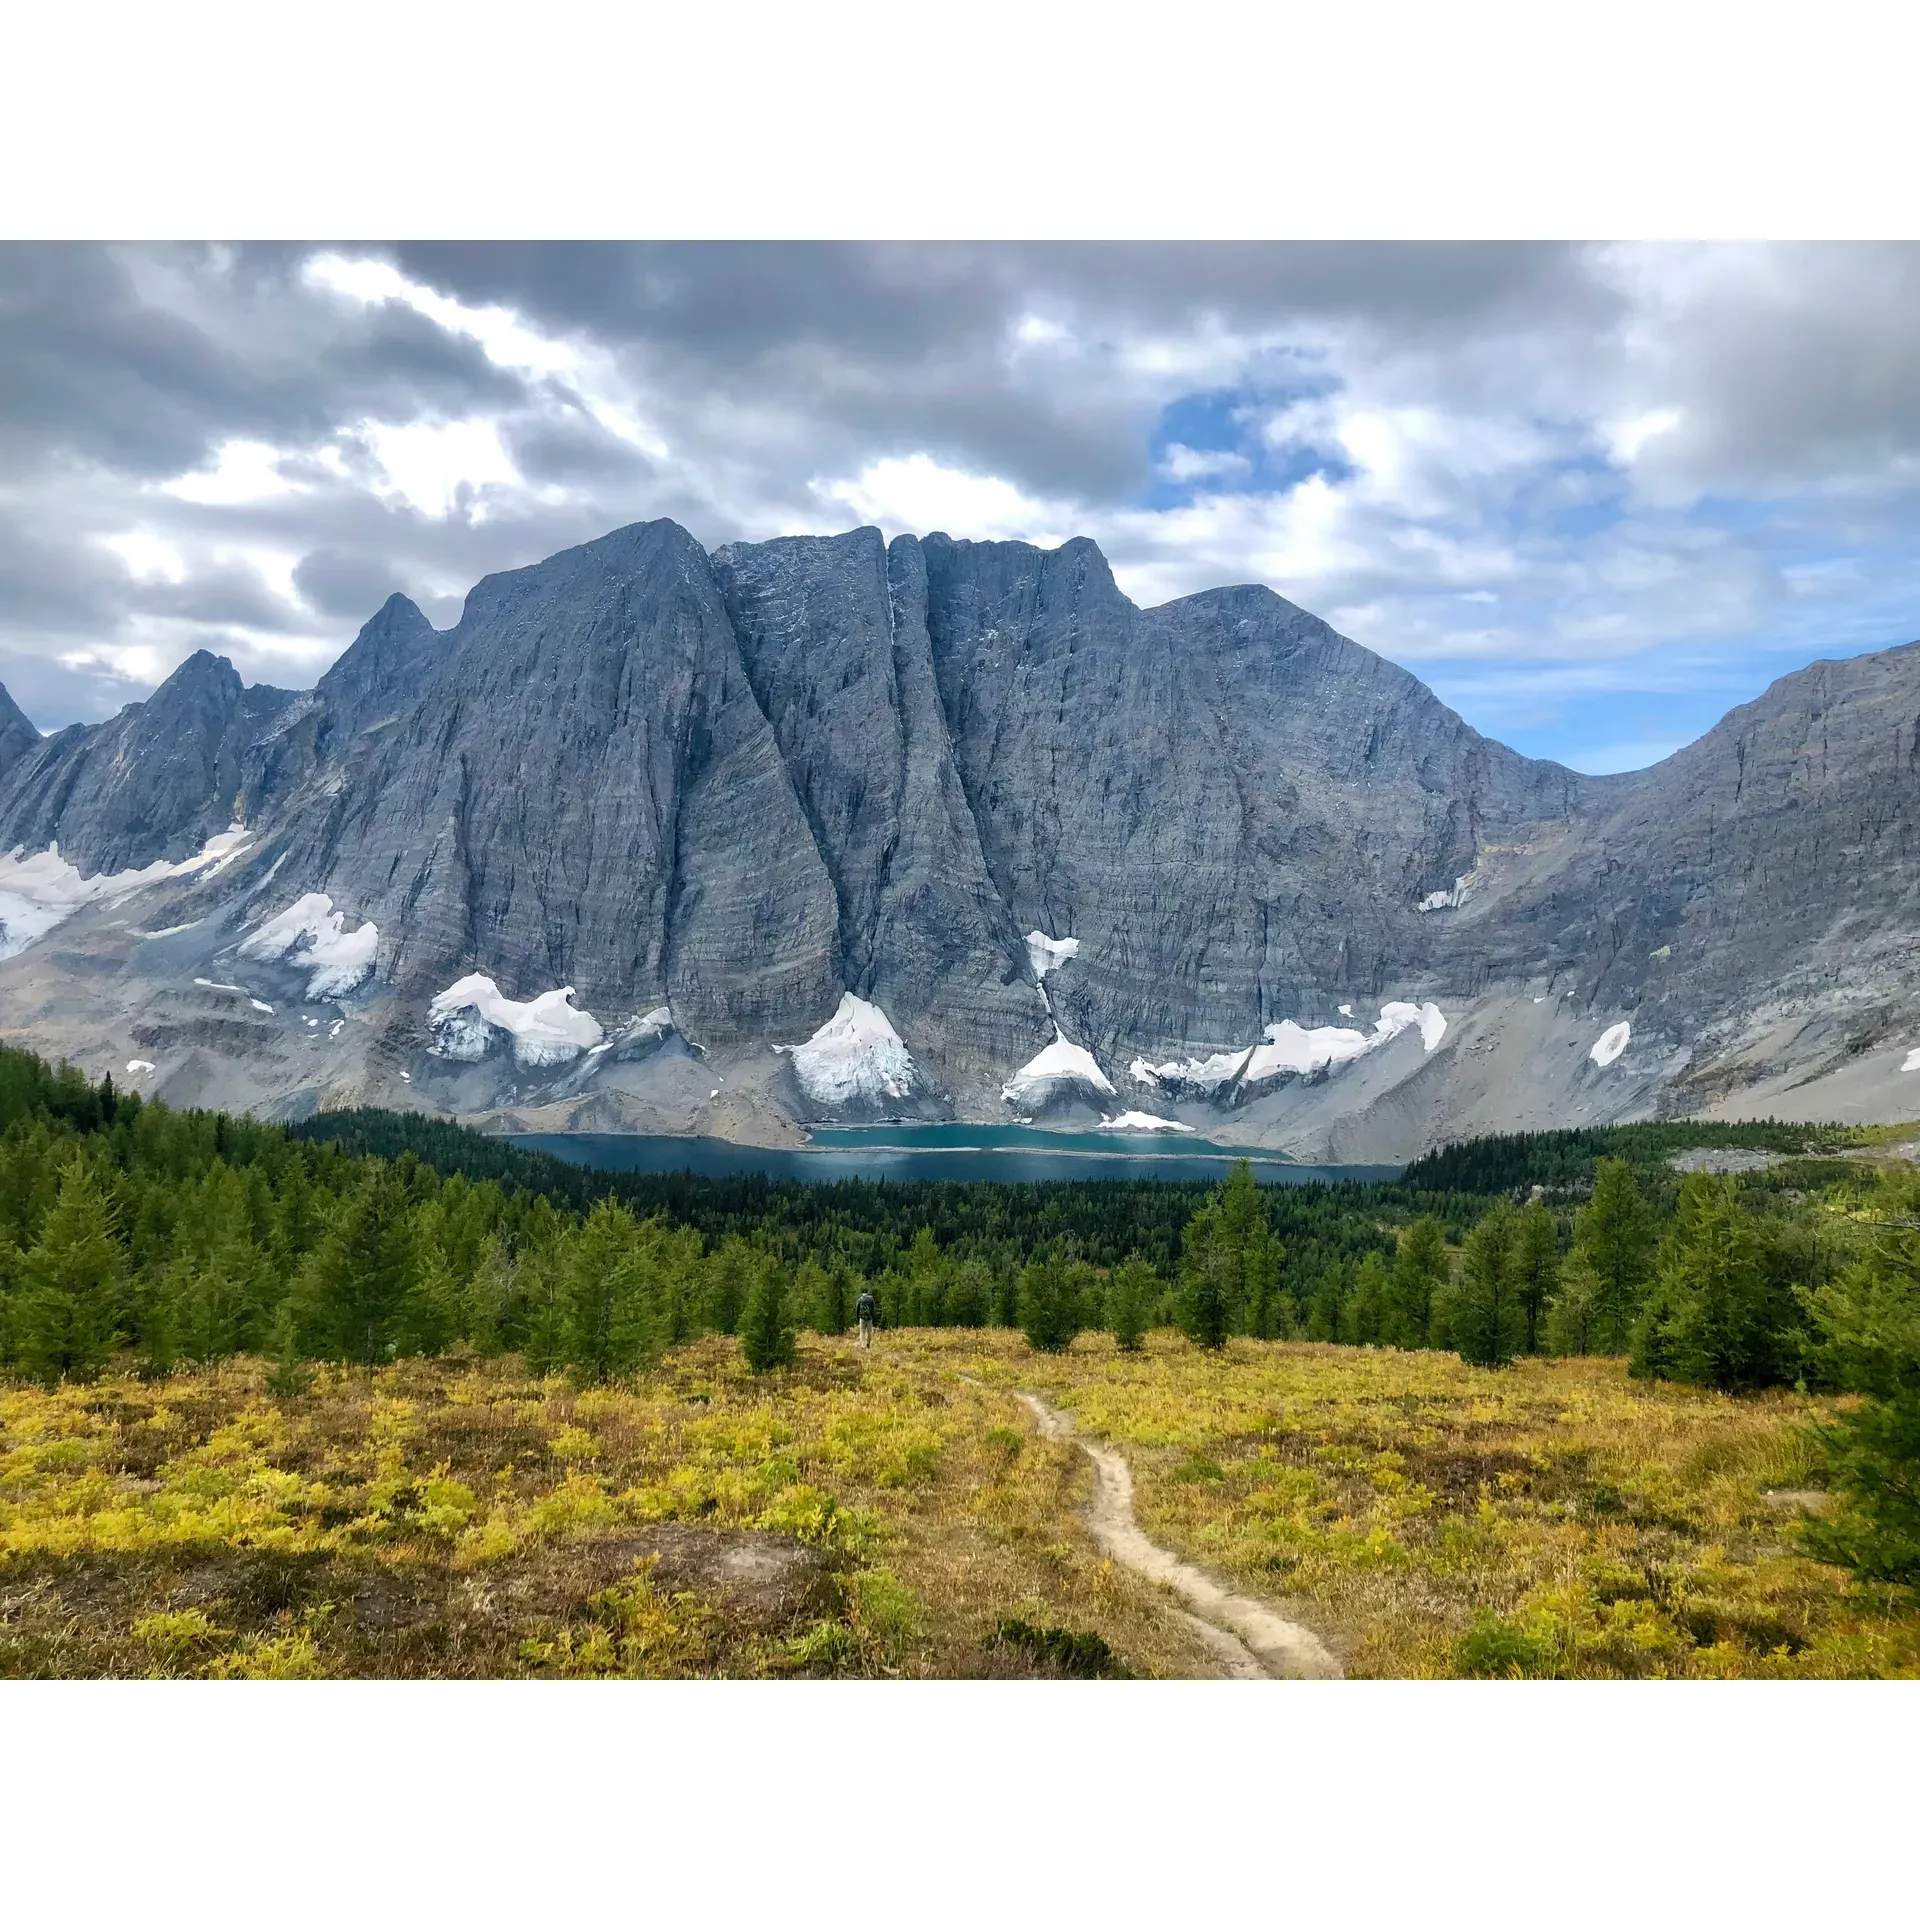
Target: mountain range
[{"x": 818, "y": 829}]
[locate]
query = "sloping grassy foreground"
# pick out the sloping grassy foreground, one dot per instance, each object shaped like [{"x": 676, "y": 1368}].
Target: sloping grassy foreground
[{"x": 892, "y": 1512}]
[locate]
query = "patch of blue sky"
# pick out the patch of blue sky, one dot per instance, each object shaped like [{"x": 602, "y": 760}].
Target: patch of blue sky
[{"x": 1212, "y": 442}]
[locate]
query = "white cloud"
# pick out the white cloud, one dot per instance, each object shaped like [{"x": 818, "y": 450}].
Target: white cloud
[
  {"x": 1183, "y": 464},
  {"x": 145, "y": 554},
  {"x": 436, "y": 467},
  {"x": 243, "y": 471},
  {"x": 918, "y": 494}
]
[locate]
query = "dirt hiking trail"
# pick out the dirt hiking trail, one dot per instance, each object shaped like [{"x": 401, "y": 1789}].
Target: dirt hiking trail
[{"x": 1251, "y": 1642}]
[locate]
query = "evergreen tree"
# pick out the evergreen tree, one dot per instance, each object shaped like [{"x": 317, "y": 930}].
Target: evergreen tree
[
  {"x": 541, "y": 1271},
  {"x": 1614, "y": 1231},
  {"x": 71, "y": 1288},
  {"x": 968, "y": 1294},
  {"x": 1484, "y": 1317},
  {"x": 436, "y": 1313},
  {"x": 1572, "y": 1320},
  {"x": 728, "y": 1275},
  {"x": 1867, "y": 1326},
  {"x": 766, "y": 1338},
  {"x": 1366, "y": 1316},
  {"x": 287, "y": 1379},
  {"x": 1708, "y": 1318},
  {"x": 1326, "y": 1311},
  {"x": 491, "y": 1301},
  {"x": 353, "y": 1291},
  {"x": 812, "y": 1299},
  {"x": 1201, "y": 1305},
  {"x": 1231, "y": 1262},
  {"x": 1536, "y": 1266},
  {"x": 611, "y": 1316},
  {"x": 1130, "y": 1297},
  {"x": 1049, "y": 1305},
  {"x": 927, "y": 1279},
  {"x": 1420, "y": 1269}
]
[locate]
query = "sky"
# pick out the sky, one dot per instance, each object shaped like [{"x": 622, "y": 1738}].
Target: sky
[{"x": 1593, "y": 495}]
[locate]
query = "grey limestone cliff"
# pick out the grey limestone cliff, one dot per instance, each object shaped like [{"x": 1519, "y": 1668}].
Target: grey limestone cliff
[{"x": 747, "y": 785}]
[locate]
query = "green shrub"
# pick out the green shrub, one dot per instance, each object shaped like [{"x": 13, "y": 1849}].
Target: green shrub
[
  {"x": 1059, "y": 1650},
  {"x": 1495, "y": 1649}
]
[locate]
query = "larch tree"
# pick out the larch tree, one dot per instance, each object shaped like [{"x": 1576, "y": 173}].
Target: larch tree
[{"x": 71, "y": 1284}]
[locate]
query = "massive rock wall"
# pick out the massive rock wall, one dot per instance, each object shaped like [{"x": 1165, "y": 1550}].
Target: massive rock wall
[{"x": 745, "y": 785}]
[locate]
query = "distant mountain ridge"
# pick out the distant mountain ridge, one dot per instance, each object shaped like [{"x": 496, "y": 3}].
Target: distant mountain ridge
[{"x": 716, "y": 795}]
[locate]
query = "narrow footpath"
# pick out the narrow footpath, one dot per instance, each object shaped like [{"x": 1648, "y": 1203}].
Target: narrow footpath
[{"x": 1251, "y": 1641}]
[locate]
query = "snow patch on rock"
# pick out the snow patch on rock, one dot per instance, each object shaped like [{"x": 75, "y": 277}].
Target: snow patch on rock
[
  {"x": 39, "y": 890},
  {"x": 1611, "y": 1044},
  {"x": 311, "y": 935},
  {"x": 1062, "y": 1062},
  {"x": 1911, "y": 1064},
  {"x": 1131, "y": 1122},
  {"x": 1048, "y": 956},
  {"x": 469, "y": 1017},
  {"x": 1289, "y": 1048},
  {"x": 139, "y": 1066},
  {"x": 855, "y": 1056}
]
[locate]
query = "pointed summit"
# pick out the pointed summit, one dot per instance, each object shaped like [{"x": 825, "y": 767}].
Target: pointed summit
[
  {"x": 385, "y": 662},
  {"x": 18, "y": 734}
]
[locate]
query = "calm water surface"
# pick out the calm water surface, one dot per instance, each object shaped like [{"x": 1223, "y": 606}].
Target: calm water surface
[{"x": 937, "y": 1153}]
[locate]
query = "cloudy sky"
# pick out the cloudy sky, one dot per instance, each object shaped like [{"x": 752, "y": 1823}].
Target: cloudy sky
[{"x": 1594, "y": 495}]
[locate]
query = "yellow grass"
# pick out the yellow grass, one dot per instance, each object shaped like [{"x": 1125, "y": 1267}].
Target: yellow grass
[{"x": 464, "y": 1518}]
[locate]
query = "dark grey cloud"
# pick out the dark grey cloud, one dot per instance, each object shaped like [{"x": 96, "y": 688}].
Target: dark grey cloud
[
  {"x": 1540, "y": 463},
  {"x": 344, "y": 585},
  {"x": 141, "y": 361}
]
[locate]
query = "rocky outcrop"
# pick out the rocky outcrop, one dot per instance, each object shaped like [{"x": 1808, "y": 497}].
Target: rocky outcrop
[{"x": 929, "y": 815}]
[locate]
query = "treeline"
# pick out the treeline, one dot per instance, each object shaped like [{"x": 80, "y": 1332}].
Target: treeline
[{"x": 1563, "y": 1160}]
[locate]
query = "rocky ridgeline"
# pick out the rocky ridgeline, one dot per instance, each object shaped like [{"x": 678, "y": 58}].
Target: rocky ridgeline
[{"x": 962, "y": 831}]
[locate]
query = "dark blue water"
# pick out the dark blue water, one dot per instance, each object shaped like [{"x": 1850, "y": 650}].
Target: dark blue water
[{"x": 957, "y": 1153}]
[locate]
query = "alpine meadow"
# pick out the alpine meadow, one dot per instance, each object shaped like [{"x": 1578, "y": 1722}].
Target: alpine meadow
[{"x": 375, "y": 1395}]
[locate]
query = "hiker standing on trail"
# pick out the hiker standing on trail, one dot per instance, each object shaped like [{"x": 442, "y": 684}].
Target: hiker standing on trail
[{"x": 866, "y": 1310}]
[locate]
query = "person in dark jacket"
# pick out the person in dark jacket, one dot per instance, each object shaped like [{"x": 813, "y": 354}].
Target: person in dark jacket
[{"x": 866, "y": 1312}]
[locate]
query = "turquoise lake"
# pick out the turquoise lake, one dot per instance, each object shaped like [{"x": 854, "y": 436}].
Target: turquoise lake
[{"x": 938, "y": 1153}]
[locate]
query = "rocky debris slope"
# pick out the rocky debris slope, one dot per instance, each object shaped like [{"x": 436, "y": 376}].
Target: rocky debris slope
[{"x": 835, "y": 827}]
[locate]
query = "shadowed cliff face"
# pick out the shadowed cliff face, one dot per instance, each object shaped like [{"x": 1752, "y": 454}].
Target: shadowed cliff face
[{"x": 747, "y": 783}]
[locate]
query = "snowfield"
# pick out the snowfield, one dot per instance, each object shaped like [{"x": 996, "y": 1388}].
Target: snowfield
[
  {"x": 1062, "y": 1061},
  {"x": 1132, "y": 1122},
  {"x": 545, "y": 1031},
  {"x": 1289, "y": 1048},
  {"x": 855, "y": 1056},
  {"x": 39, "y": 890},
  {"x": 310, "y": 934},
  {"x": 1611, "y": 1044},
  {"x": 1046, "y": 956}
]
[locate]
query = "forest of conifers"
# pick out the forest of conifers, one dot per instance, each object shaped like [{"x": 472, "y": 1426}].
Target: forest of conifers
[
  {"x": 184, "y": 1237},
  {"x": 131, "y": 1234}
]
